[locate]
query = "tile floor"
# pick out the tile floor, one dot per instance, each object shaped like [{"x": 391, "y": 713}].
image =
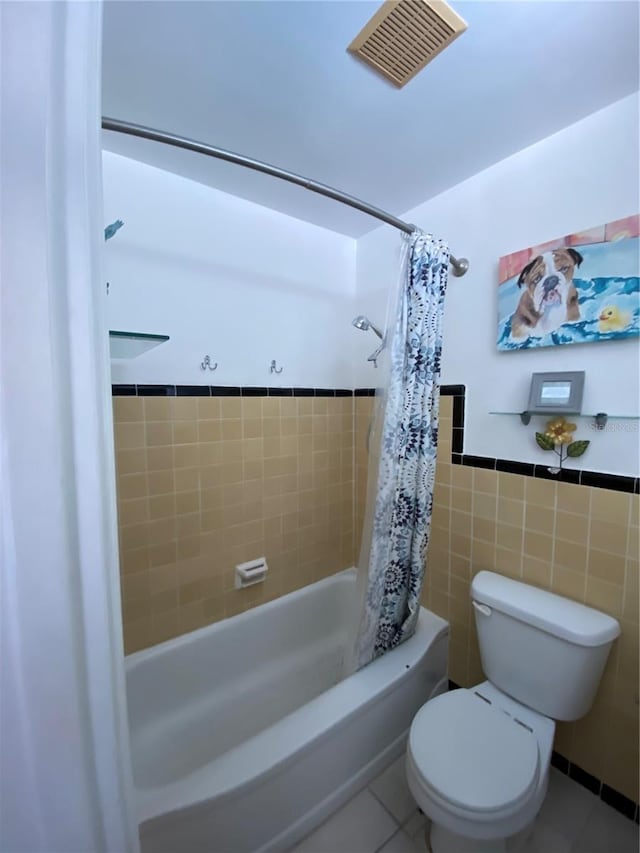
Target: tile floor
[{"x": 383, "y": 818}]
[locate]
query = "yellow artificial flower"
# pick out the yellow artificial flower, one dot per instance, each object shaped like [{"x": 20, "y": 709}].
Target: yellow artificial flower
[{"x": 560, "y": 432}]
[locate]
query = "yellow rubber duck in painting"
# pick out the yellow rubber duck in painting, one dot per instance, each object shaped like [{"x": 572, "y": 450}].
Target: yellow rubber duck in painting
[{"x": 613, "y": 319}]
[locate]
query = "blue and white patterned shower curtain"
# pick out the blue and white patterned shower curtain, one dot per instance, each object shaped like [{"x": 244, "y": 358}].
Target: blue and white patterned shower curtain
[{"x": 406, "y": 471}]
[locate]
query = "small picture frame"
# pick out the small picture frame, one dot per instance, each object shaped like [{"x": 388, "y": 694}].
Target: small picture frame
[{"x": 556, "y": 393}]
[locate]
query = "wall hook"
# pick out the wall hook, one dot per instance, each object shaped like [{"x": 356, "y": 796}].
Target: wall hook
[
  {"x": 207, "y": 363},
  {"x": 273, "y": 368}
]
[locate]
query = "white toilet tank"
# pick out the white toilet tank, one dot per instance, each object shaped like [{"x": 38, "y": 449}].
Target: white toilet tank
[{"x": 545, "y": 651}]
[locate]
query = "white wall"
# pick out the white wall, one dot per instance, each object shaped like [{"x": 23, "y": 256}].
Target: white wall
[
  {"x": 228, "y": 278},
  {"x": 581, "y": 177}
]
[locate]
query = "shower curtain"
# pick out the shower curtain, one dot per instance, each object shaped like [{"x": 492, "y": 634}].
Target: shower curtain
[{"x": 399, "y": 503}]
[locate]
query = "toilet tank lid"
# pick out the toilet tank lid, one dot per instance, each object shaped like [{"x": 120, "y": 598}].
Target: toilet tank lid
[{"x": 552, "y": 613}]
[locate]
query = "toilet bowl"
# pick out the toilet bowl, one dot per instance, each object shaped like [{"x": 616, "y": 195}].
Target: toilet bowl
[
  {"x": 478, "y": 766},
  {"x": 478, "y": 758}
]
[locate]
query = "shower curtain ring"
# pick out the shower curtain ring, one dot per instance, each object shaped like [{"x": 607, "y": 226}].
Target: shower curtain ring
[
  {"x": 207, "y": 363},
  {"x": 273, "y": 368}
]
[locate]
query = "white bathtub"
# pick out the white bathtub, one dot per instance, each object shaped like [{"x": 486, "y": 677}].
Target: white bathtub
[{"x": 243, "y": 736}]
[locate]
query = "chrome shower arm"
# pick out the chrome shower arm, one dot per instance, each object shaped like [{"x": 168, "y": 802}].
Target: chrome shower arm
[
  {"x": 376, "y": 330},
  {"x": 375, "y": 355}
]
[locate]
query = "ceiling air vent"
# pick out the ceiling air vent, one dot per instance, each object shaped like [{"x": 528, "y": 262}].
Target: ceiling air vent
[{"x": 404, "y": 35}]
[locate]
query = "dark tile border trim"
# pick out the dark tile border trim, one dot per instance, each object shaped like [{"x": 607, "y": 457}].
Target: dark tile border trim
[
  {"x": 609, "y": 481},
  {"x": 457, "y": 439},
  {"x": 123, "y": 390},
  {"x": 587, "y": 780},
  {"x": 560, "y": 762},
  {"x": 279, "y": 392},
  {"x": 224, "y": 391},
  {"x": 598, "y": 479},
  {"x": 156, "y": 390},
  {"x": 193, "y": 391},
  {"x": 526, "y": 469},
  {"x": 479, "y": 461},
  {"x": 231, "y": 391},
  {"x": 618, "y": 801},
  {"x": 607, "y": 794}
]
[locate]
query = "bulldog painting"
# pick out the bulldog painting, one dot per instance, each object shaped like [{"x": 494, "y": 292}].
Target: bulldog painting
[
  {"x": 549, "y": 298},
  {"x": 577, "y": 289}
]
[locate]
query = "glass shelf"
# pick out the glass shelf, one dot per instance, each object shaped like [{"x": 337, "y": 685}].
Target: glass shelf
[
  {"x": 568, "y": 417},
  {"x": 133, "y": 344},
  {"x": 600, "y": 419}
]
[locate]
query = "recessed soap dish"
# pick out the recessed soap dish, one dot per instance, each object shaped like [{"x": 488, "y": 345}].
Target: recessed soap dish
[{"x": 251, "y": 572}]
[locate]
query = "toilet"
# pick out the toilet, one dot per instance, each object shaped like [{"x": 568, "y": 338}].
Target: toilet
[{"x": 478, "y": 759}]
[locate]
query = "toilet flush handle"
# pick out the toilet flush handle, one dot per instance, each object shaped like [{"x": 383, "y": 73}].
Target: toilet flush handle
[{"x": 483, "y": 608}]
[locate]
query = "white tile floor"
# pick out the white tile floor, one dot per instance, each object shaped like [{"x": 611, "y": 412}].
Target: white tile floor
[{"x": 383, "y": 818}]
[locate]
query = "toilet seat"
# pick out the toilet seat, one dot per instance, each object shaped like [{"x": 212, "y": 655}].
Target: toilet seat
[{"x": 472, "y": 757}]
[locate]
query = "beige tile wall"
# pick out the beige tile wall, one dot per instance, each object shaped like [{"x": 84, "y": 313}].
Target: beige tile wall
[
  {"x": 363, "y": 412},
  {"x": 577, "y": 541},
  {"x": 205, "y": 483}
]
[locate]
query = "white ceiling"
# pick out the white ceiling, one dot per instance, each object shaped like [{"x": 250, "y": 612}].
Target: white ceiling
[{"x": 272, "y": 80}]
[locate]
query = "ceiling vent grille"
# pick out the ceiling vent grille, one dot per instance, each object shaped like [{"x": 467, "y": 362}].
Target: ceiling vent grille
[{"x": 404, "y": 35}]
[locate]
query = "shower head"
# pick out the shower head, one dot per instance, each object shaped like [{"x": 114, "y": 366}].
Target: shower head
[{"x": 363, "y": 323}]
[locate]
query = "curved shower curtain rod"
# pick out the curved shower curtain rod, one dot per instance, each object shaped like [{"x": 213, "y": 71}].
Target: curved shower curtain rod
[{"x": 459, "y": 265}]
